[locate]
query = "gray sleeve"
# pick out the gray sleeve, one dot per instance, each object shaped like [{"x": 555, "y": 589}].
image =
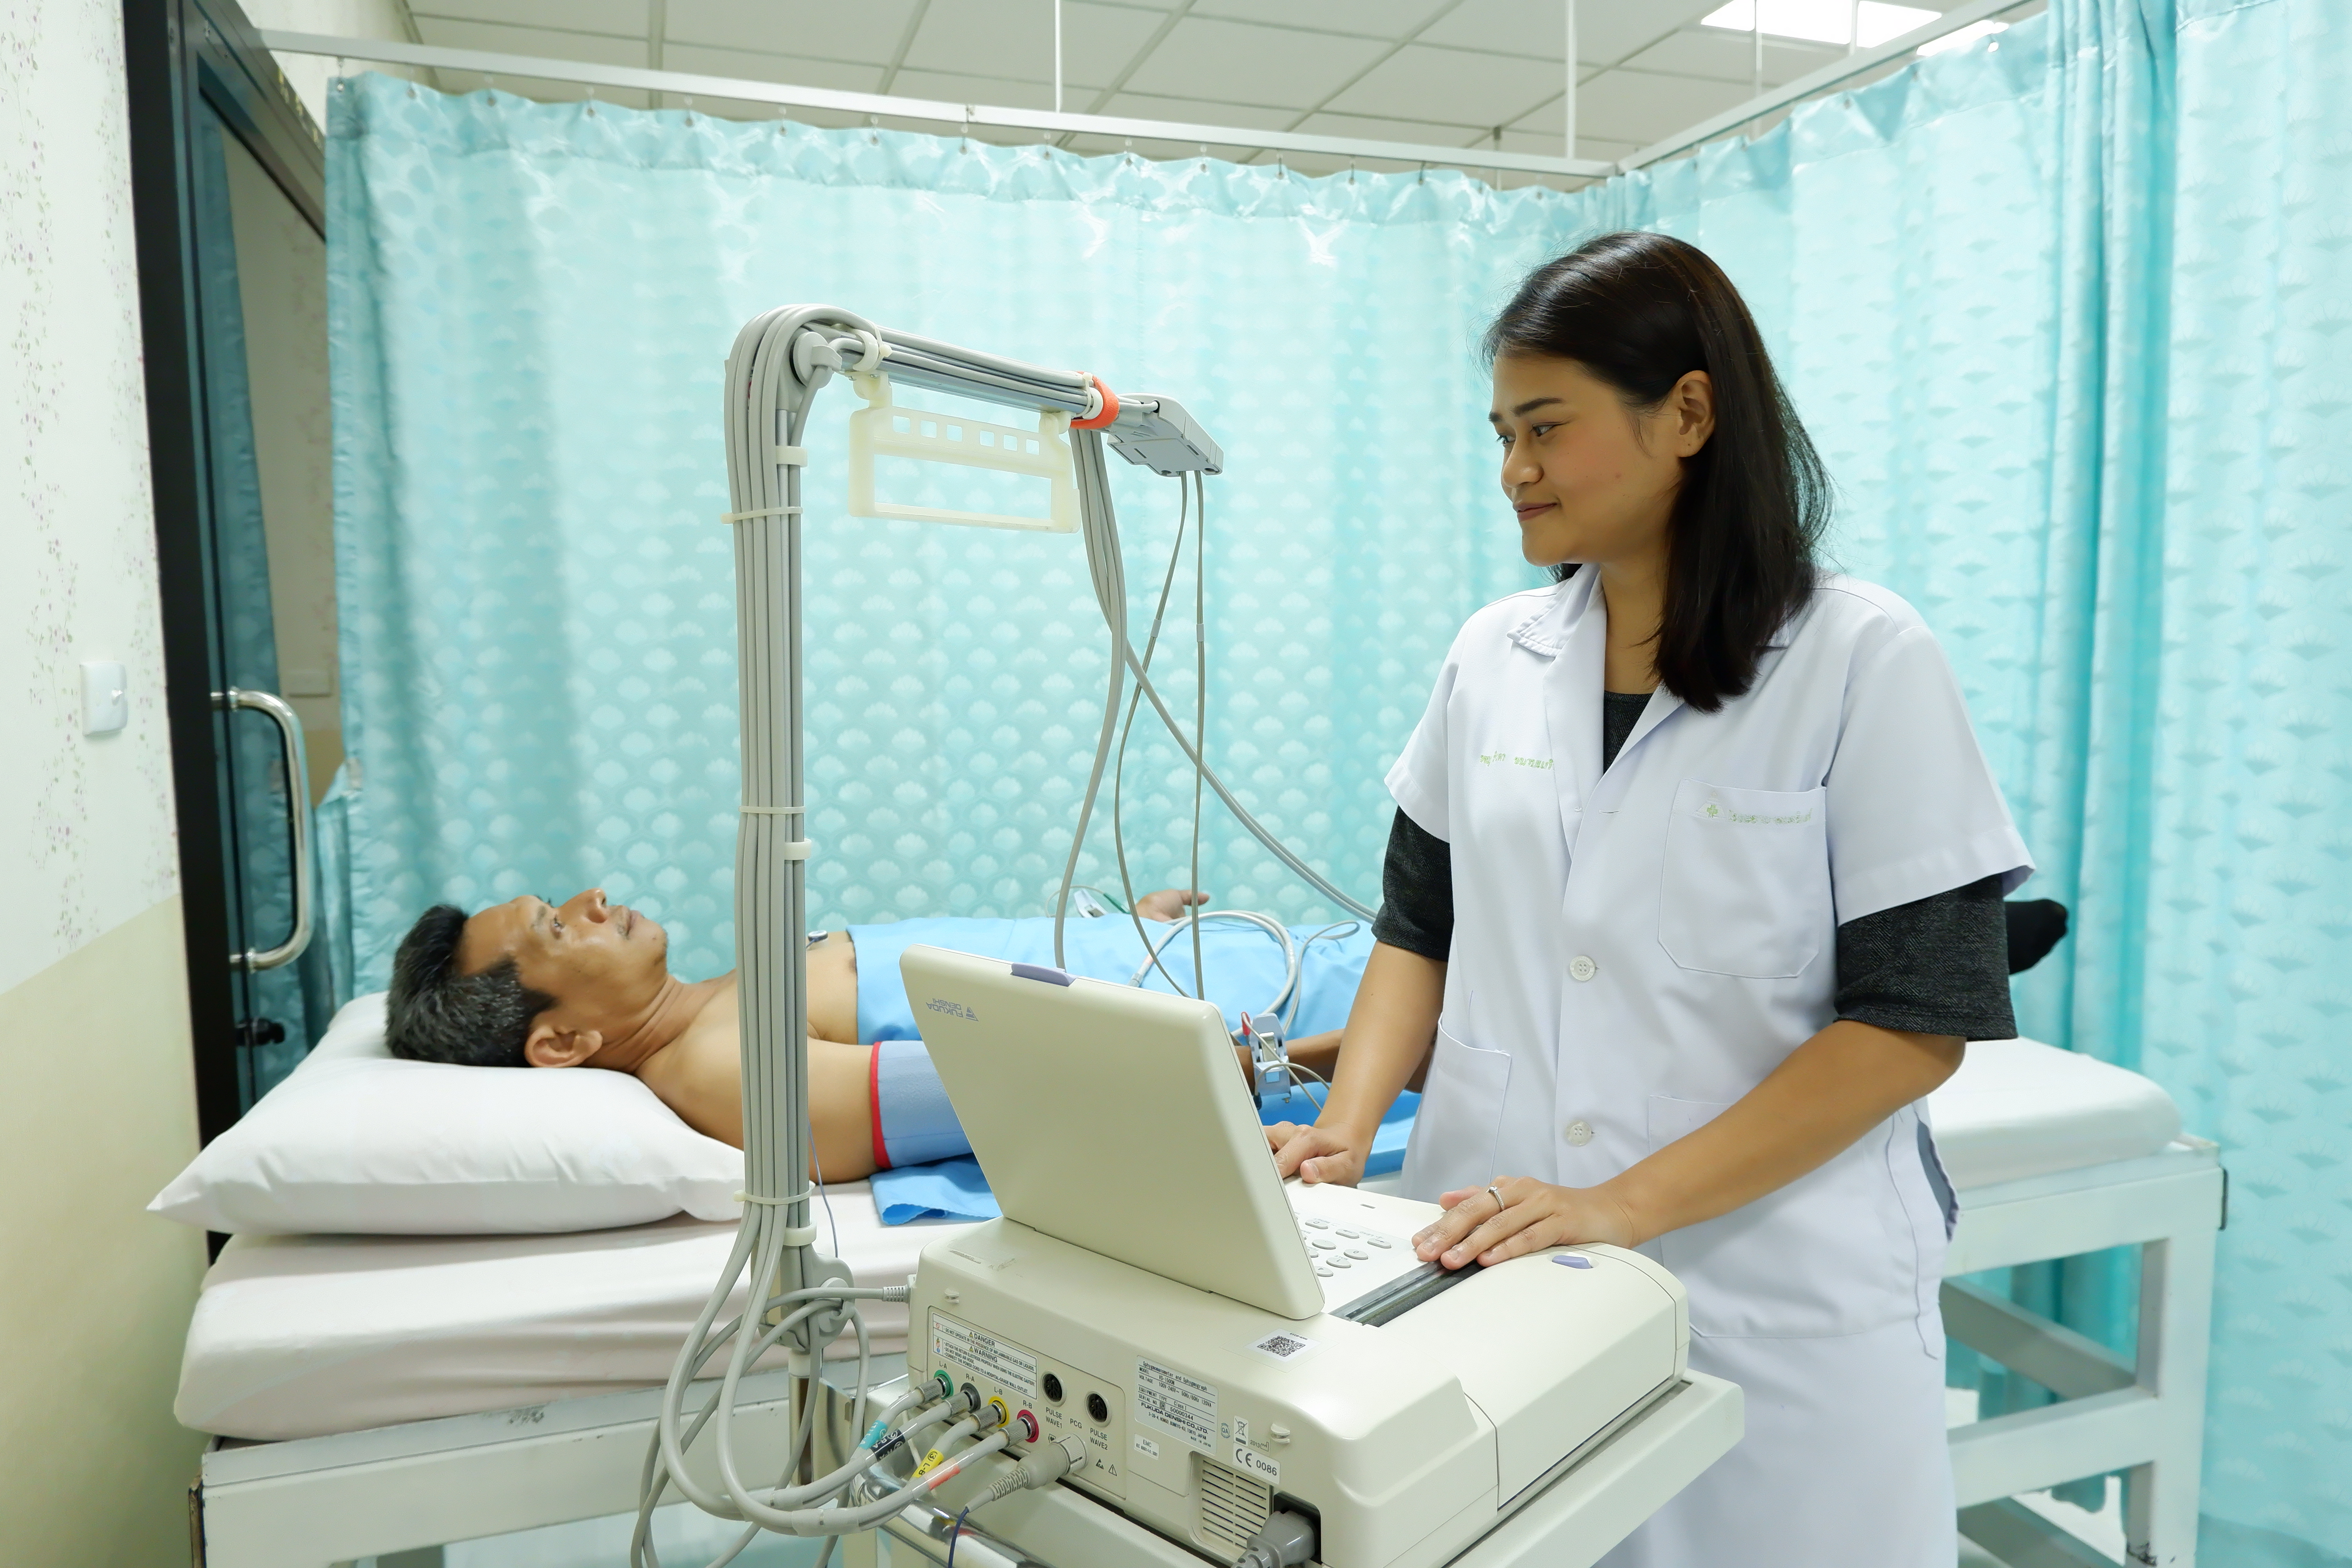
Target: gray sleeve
[
  {"x": 1939, "y": 966},
  {"x": 1416, "y": 891}
]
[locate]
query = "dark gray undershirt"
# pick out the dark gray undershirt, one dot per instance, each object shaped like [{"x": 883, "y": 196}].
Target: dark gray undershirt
[{"x": 1939, "y": 966}]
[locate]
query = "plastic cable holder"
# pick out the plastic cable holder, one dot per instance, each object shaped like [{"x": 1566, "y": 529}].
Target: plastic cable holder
[{"x": 884, "y": 429}]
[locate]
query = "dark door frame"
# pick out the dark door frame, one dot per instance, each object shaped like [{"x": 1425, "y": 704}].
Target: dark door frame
[{"x": 177, "y": 53}]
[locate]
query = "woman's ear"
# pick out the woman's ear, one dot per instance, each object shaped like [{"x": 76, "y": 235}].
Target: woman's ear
[
  {"x": 1691, "y": 403},
  {"x": 549, "y": 1046}
]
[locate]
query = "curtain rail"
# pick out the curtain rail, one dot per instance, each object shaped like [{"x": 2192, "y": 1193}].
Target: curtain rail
[
  {"x": 1829, "y": 76},
  {"x": 388, "y": 52}
]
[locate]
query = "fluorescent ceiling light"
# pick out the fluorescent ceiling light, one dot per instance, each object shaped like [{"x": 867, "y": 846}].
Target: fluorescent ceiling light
[
  {"x": 1823, "y": 21},
  {"x": 1963, "y": 37}
]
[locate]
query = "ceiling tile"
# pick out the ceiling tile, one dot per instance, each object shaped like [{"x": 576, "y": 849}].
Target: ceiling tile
[
  {"x": 867, "y": 31},
  {"x": 451, "y": 34},
  {"x": 622, "y": 18},
  {"x": 1731, "y": 57},
  {"x": 1606, "y": 31},
  {"x": 1646, "y": 108},
  {"x": 955, "y": 87},
  {"x": 1454, "y": 87},
  {"x": 1387, "y": 19},
  {"x": 1200, "y": 112},
  {"x": 1098, "y": 41},
  {"x": 1376, "y": 128},
  {"x": 840, "y": 76},
  {"x": 1276, "y": 66},
  {"x": 985, "y": 38}
]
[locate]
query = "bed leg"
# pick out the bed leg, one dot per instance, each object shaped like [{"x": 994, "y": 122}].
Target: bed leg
[{"x": 2175, "y": 1309}]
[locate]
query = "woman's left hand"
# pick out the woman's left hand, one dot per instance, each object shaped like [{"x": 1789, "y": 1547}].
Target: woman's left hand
[{"x": 1532, "y": 1216}]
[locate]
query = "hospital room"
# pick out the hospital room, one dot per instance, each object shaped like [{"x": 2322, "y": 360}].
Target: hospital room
[{"x": 1124, "y": 783}]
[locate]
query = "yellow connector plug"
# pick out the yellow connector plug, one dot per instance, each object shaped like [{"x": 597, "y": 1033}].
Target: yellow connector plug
[{"x": 1003, "y": 1411}]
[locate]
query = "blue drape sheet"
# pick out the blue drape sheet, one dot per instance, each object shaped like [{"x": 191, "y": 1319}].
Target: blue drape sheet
[{"x": 2063, "y": 309}]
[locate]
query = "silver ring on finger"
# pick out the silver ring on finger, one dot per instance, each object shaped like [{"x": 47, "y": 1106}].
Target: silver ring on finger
[{"x": 1492, "y": 1193}]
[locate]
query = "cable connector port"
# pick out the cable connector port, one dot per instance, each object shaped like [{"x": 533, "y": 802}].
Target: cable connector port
[{"x": 1003, "y": 1412}]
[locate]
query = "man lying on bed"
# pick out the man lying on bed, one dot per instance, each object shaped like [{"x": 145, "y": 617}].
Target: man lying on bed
[{"x": 587, "y": 983}]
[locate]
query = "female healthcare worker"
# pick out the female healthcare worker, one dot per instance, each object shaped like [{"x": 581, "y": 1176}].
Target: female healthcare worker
[{"x": 1695, "y": 884}]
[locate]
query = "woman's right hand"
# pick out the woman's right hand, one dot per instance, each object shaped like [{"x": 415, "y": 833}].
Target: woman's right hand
[{"x": 1318, "y": 1154}]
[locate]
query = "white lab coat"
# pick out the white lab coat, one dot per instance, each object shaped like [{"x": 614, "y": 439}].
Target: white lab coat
[{"x": 1635, "y": 950}]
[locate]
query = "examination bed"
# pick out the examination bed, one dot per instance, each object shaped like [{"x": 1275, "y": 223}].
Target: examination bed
[{"x": 413, "y": 1391}]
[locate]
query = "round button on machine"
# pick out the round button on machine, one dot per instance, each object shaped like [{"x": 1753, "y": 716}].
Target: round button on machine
[
  {"x": 1581, "y": 969},
  {"x": 1319, "y": 1225},
  {"x": 1322, "y": 1272},
  {"x": 1577, "y": 1132},
  {"x": 1359, "y": 1254},
  {"x": 1324, "y": 1243},
  {"x": 1381, "y": 1242},
  {"x": 1351, "y": 1235}
]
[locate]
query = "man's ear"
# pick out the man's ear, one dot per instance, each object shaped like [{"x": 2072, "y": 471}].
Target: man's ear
[{"x": 549, "y": 1046}]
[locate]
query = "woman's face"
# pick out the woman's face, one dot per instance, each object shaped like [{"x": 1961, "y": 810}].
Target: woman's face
[{"x": 1592, "y": 480}]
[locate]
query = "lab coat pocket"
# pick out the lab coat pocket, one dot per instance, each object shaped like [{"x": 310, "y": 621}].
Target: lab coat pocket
[
  {"x": 1461, "y": 1110},
  {"x": 1833, "y": 1252},
  {"x": 1746, "y": 885}
]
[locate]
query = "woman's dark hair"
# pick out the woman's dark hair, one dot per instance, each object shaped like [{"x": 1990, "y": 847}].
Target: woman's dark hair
[{"x": 1640, "y": 311}]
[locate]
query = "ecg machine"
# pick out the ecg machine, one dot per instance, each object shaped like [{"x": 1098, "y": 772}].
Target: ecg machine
[{"x": 1264, "y": 1372}]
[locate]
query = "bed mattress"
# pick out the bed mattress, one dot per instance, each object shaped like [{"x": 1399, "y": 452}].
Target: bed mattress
[
  {"x": 296, "y": 1336},
  {"x": 2018, "y": 1109},
  {"x": 300, "y": 1336}
]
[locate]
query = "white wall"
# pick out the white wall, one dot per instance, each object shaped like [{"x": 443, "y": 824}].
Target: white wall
[
  {"x": 99, "y": 1107},
  {"x": 86, "y": 824}
]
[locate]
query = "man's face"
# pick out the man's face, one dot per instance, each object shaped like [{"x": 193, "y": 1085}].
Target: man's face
[{"x": 604, "y": 964}]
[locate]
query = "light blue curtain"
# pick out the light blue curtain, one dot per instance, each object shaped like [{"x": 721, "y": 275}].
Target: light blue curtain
[
  {"x": 530, "y": 307},
  {"x": 1960, "y": 271},
  {"x": 2248, "y": 973}
]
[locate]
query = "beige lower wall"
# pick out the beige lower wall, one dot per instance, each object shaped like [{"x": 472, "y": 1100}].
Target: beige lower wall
[{"x": 96, "y": 1112}]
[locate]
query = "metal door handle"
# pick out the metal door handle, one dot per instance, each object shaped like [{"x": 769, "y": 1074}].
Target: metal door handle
[{"x": 298, "y": 814}]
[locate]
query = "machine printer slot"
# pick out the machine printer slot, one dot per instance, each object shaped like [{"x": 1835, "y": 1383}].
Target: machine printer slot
[{"x": 1403, "y": 1294}]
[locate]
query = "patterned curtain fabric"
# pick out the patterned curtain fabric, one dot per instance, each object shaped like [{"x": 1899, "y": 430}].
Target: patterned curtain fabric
[
  {"x": 529, "y": 308},
  {"x": 1960, "y": 270},
  {"x": 2248, "y": 966}
]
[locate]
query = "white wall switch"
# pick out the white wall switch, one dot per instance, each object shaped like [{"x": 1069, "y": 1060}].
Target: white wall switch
[{"x": 105, "y": 700}]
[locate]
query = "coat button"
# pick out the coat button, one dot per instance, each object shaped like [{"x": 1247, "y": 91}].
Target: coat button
[
  {"x": 1581, "y": 968},
  {"x": 1577, "y": 1132}
]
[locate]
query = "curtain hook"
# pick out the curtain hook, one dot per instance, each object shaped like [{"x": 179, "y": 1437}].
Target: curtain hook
[
  {"x": 592, "y": 100},
  {"x": 1352, "y": 170},
  {"x": 689, "y": 108},
  {"x": 783, "y": 120},
  {"x": 1425, "y": 175},
  {"x": 873, "y": 136}
]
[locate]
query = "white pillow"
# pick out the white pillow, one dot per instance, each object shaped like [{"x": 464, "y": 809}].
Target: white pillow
[{"x": 357, "y": 1141}]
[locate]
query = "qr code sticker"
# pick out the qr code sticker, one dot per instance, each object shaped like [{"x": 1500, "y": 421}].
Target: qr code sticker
[{"x": 1284, "y": 1347}]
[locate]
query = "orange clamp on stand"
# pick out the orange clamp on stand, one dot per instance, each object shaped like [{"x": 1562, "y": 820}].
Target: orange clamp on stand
[{"x": 1109, "y": 408}]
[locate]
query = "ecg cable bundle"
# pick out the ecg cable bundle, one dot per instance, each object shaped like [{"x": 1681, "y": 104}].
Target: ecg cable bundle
[{"x": 806, "y": 1300}]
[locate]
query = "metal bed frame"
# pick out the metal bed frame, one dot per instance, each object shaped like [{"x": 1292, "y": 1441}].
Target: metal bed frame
[{"x": 314, "y": 1501}]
